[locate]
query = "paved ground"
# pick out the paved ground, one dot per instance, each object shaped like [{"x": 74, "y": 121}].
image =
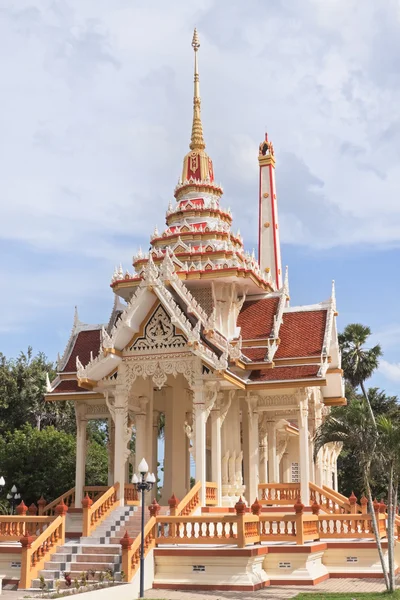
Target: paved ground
[
  {"x": 269, "y": 593},
  {"x": 279, "y": 592}
]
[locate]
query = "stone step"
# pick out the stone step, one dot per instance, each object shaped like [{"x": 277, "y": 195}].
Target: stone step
[
  {"x": 100, "y": 549},
  {"x": 84, "y": 567},
  {"x": 97, "y": 558}
]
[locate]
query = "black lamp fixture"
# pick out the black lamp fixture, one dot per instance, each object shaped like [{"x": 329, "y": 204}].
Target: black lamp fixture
[
  {"x": 13, "y": 498},
  {"x": 143, "y": 483}
]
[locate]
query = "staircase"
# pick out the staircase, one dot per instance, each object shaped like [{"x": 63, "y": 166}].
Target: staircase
[
  {"x": 96, "y": 555},
  {"x": 133, "y": 524}
]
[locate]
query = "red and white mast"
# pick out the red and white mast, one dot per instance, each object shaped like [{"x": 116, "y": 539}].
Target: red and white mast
[{"x": 269, "y": 249}]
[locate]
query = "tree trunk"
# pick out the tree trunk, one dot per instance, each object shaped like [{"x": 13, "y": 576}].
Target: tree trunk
[
  {"x": 376, "y": 534},
  {"x": 390, "y": 531},
  {"x": 371, "y": 412},
  {"x": 392, "y": 541}
]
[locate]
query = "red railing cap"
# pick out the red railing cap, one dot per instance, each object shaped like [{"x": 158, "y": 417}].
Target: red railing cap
[
  {"x": 21, "y": 508},
  {"x": 42, "y": 501},
  {"x": 173, "y": 501},
  {"x": 87, "y": 501},
  {"x": 353, "y": 498},
  {"x": 32, "y": 510},
  {"x": 315, "y": 507},
  {"x": 240, "y": 507},
  {"x": 154, "y": 508},
  {"x": 126, "y": 542},
  {"x": 256, "y": 507},
  {"x": 26, "y": 541},
  {"x": 61, "y": 509},
  {"x": 298, "y": 506}
]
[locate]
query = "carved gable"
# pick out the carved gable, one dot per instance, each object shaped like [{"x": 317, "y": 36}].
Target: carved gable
[{"x": 159, "y": 333}]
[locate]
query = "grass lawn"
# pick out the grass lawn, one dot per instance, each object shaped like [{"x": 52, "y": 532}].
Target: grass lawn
[{"x": 351, "y": 596}]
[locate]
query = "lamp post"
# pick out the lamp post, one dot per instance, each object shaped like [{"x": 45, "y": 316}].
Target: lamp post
[
  {"x": 2, "y": 483},
  {"x": 13, "y": 497},
  {"x": 143, "y": 483}
]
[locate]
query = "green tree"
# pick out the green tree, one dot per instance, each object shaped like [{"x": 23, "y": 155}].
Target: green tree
[
  {"x": 358, "y": 433},
  {"x": 359, "y": 362},
  {"x": 22, "y": 389},
  {"x": 349, "y": 472},
  {"x": 389, "y": 459},
  {"x": 43, "y": 462}
]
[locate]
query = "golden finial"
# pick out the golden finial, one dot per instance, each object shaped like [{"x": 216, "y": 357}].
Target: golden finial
[{"x": 197, "y": 140}]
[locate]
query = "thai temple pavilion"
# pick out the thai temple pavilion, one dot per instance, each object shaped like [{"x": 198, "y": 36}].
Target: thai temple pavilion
[{"x": 203, "y": 336}]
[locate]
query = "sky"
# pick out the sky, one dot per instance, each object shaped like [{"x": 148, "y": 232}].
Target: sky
[{"x": 96, "y": 104}]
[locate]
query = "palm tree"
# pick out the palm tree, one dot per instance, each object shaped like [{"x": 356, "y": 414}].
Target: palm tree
[
  {"x": 353, "y": 427},
  {"x": 389, "y": 446},
  {"x": 358, "y": 362}
]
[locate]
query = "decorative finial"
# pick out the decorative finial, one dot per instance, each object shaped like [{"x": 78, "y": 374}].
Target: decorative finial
[
  {"x": 49, "y": 389},
  {"x": 76, "y": 317},
  {"x": 197, "y": 140},
  {"x": 195, "y": 40}
]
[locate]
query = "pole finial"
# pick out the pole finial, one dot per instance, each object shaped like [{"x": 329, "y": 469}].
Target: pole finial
[
  {"x": 197, "y": 139},
  {"x": 195, "y": 40}
]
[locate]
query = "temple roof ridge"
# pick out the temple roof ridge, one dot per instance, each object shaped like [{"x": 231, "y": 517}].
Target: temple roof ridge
[{"x": 77, "y": 327}]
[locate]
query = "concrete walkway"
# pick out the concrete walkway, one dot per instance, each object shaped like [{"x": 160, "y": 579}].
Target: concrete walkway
[
  {"x": 269, "y": 593},
  {"x": 278, "y": 592}
]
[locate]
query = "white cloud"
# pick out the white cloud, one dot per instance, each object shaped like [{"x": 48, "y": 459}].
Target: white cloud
[
  {"x": 390, "y": 370},
  {"x": 96, "y": 112}
]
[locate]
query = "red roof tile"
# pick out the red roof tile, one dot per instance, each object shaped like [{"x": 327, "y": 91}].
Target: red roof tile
[
  {"x": 67, "y": 385},
  {"x": 257, "y": 318},
  {"x": 255, "y": 354},
  {"x": 85, "y": 342},
  {"x": 285, "y": 373},
  {"x": 302, "y": 334}
]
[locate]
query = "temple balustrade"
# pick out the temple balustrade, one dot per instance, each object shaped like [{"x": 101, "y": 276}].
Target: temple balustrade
[
  {"x": 94, "y": 513},
  {"x": 278, "y": 494}
]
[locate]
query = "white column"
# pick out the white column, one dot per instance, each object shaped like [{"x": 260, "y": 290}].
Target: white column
[
  {"x": 216, "y": 457},
  {"x": 120, "y": 411},
  {"x": 263, "y": 454},
  {"x": 154, "y": 440},
  {"x": 319, "y": 473},
  {"x": 149, "y": 427},
  {"x": 304, "y": 452},
  {"x": 141, "y": 437},
  {"x": 110, "y": 450},
  {"x": 80, "y": 471},
  {"x": 252, "y": 456},
  {"x": 286, "y": 475},
  {"x": 200, "y": 417},
  {"x": 272, "y": 462}
]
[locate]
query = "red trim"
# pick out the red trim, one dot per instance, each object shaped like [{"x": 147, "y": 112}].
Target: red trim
[
  {"x": 271, "y": 185},
  {"x": 351, "y": 575},
  {"x": 224, "y": 270},
  {"x": 9, "y": 582},
  {"x": 202, "y": 587},
  {"x": 257, "y": 551},
  {"x": 10, "y": 550}
]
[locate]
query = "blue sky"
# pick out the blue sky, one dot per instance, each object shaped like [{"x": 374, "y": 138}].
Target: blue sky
[{"x": 95, "y": 121}]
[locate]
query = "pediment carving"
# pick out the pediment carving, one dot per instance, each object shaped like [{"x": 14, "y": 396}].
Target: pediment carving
[{"x": 159, "y": 333}]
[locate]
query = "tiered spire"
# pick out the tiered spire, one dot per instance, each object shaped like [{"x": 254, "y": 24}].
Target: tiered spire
[
  {"x": 198, "y": 231},
  {"x": 197, "y": 173}
]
